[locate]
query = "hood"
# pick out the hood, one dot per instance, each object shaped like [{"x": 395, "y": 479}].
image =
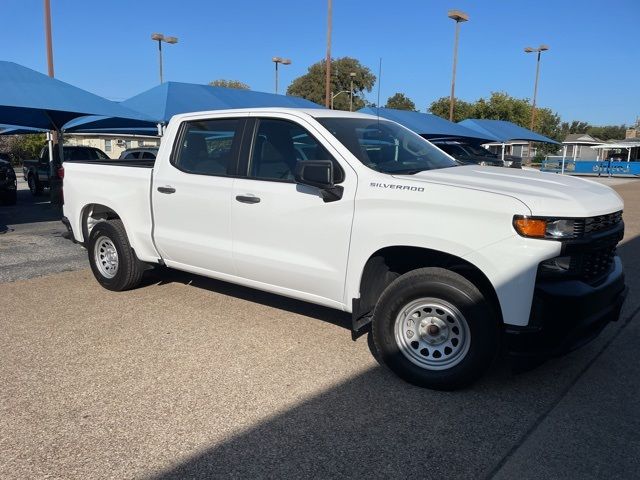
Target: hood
[
  {"x": 546, "y": 194},
  {"x": 4, "y": 163}
]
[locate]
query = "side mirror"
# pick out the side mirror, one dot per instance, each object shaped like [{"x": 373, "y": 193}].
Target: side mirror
[{"x": 317, "y": 173}]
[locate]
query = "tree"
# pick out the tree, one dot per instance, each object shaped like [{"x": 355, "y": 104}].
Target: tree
[
  {"x": 221, "y": 82},
  {"x": 462, "y": 110},
  {"x": 312, "y": 84},
  {"x": 608, "y": 132},
  {"x": 22, "y": 147},
  {"x": 400, "y": 101}
]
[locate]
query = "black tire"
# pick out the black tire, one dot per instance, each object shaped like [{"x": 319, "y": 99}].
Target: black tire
[
  {"x": 128, "y": 272},
  {"x": 35, "y": 187},
  {"x": 481, "y": 324}
]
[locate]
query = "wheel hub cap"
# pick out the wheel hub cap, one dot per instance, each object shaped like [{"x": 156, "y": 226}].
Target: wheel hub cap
[
  {"x": 432, "y": 333},
  {"x": 106, "y": 257}
]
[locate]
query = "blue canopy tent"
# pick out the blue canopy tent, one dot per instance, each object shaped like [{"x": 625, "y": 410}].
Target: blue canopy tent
[
  {"x": 32, "y": 99},
  {"x": 428, "y": 125},
  {"x": 171, "y": 98},
  {"x": 16, "y": 130},
  {"x": 504, "y": 131}
]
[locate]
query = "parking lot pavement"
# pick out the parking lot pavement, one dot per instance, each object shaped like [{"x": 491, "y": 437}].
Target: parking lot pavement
[
  {"x": 188, "y": 377},
  {"x": 31, "y": 239}
]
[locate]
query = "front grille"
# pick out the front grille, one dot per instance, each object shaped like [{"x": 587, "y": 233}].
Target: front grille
[
  {"x": 592, "y": 265},
  {"x": 585, "y": 226}
]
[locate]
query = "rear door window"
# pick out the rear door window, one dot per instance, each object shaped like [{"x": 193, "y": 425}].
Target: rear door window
[{"x": 209, "y": 147}]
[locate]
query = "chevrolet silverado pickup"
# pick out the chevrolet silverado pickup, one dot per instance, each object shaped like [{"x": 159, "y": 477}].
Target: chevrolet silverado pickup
[{"x": 445, "y": 265}]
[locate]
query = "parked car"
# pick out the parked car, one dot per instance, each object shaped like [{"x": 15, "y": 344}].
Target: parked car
[
  {"x": 8, "y": 182},
  {"x": 468, "y": 154},
  {"x": 139, "y": 153},
  {"x": 36, "y": 172},
  {"x": 447, "y": 263}
]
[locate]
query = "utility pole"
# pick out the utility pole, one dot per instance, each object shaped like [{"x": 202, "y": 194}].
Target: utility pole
[
  {"x": 47, "y": 33},
  {"x": 327, "y": 82}
]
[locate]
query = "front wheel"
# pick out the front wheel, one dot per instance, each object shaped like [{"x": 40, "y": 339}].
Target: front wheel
[
  {"x": 113, "y": 261},
  {"x": 435, "y": 329}
]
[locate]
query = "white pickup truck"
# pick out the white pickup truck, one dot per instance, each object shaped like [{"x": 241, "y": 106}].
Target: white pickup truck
[{"x": 448, "y": 264}]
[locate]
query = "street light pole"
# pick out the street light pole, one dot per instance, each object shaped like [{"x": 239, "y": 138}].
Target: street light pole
[
  {"x": 352, "y": 75},
  {"x": 539, "y": 51},
  {"x": 334, "y": 96},
  {"x": 459, "y": 17},
  {"x": 283, "y": 61},
  {"x": 159, "y": 37}
]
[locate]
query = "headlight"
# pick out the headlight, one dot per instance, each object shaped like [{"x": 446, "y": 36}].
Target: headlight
[
  {"x": 549, "y": 228},
  {"x": 508, "y": 163},
  {"x": 483, "y": 163}
]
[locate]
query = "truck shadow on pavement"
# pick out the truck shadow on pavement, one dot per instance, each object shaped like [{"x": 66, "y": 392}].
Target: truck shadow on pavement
[
  {"x": 373, "y": 425},
  {"x": 162, "y": 276}
]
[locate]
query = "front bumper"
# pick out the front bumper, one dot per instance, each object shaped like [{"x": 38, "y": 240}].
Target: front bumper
[{"x": 567, "y": 314}]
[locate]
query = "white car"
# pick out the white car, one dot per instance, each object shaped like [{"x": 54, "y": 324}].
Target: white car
[{"x": 449, "y": 264}]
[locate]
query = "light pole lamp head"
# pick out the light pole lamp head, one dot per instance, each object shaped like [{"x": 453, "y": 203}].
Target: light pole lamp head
[
  {"x": 352, "y": 75},
  {"x": 529, "y": 50},
  {"x": 283, "y": 61},
  {"x": 157, "y": 36},
  {"x": 171, "y": 40},
  {"x": 543, "y": 47},
  {"x": 458, "y": 16}
]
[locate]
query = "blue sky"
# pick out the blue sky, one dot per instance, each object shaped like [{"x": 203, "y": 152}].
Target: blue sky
[{"x": 591, "y": 73}]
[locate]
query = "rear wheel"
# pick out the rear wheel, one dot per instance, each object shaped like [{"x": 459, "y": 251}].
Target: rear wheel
[
  {"x": 34, "y": 185},
  {"x": 113, "y": 261},
  {"x": 435, "y": 329}
]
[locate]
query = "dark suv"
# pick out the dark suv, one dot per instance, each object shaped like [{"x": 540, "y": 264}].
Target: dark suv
[
  {"x": 8, "y": 182},
  {"x": 469, "y": 154}
]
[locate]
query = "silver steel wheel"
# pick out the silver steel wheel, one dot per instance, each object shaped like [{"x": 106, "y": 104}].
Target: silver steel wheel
[
  {"x": 106, "y": 257},
  {"x": 432, "y": 333}
]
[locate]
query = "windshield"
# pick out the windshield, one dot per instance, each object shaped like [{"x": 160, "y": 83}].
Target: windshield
[
  {"x": 386, "y": 146},
  {"x": 479, "y": 151}
]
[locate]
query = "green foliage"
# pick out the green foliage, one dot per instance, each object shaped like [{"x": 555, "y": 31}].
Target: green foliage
[
  {"x": 604, "y": 133},
  {"x": 400, "y": 101},
  {"x": 312, "y": 84},
  {"x": 221, "y": 82},
  {"x": 22, "y": 147},
  {"x": 608, "y": 132}
]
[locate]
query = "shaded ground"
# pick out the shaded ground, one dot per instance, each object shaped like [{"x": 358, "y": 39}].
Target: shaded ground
[{"x": 193, "y": 378}]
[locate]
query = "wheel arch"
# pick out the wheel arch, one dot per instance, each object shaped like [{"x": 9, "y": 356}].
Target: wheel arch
[
  {"x": 388, "y": 263},
  {"x": 93, "y": 213}
]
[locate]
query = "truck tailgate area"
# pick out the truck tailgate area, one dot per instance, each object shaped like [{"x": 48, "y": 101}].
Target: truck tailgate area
[{"x": 124, "y": 189}]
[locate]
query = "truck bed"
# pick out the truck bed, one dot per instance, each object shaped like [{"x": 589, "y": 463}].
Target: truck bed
[
  {"x": 138, "y": 163},
  {"x": 122, "y": 186}
]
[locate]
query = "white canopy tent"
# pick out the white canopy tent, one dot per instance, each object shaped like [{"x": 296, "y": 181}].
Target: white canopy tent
[{"x": 628, "y": 145}]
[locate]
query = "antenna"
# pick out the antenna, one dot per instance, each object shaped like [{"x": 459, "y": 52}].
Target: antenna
[{"x": 379, "y": 82}]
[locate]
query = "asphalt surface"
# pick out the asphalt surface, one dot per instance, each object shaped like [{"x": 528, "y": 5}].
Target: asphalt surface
[
  {"x": 187, "y": 377},
  {"x": 32, "y": 239}
]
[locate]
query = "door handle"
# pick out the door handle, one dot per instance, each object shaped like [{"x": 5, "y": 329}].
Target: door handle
[
  {"x": 166, "y": 190},
  {"x": 247, "y": 199}
]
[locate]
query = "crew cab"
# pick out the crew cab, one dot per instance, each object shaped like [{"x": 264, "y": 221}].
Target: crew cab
[
  {"x": 445, "y": 264},
  {"x": 37, "y": 172}
]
